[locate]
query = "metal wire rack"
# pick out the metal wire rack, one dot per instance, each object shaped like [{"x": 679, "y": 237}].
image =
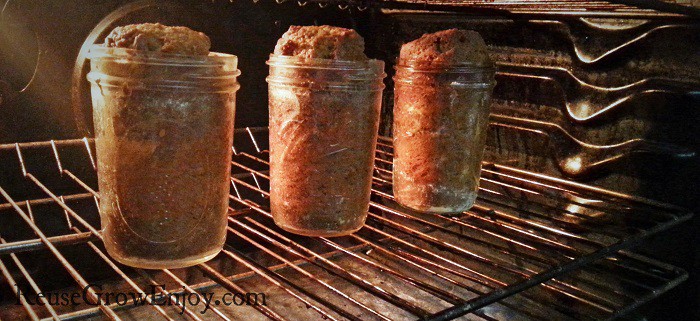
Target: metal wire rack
[
  {"x": 534, "y": 247},
  {"x": 571, "y": 8}
]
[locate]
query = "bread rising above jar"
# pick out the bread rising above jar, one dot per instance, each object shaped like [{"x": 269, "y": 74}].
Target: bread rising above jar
[
  {"x": 447, "y": 47},
  {"x": 160, "y": 38},
  {"x": 323, "y": 42}
]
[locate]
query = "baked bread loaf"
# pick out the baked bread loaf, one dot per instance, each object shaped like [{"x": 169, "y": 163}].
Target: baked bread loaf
[
  {"x": 447, "y": 47},
  {"x": 157, "y": 37},
  {"x": 326, "y": 42}
]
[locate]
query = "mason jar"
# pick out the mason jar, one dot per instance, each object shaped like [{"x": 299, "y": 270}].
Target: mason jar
[
  {"x": 163, "y": 134},
  {"x": 440, "y": 124},
  {"x": 324, "y": 117}
]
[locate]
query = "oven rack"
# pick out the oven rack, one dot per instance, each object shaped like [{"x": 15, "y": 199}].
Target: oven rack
[
  {"x": 533, "y": 247},
  {"x": 632, "y": 9}
]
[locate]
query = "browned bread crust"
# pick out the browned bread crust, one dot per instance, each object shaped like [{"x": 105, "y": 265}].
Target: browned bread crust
[
  {"x": 324, "y": 42},
  {"x": 157, "y": 37},
  {"x": 453, "y": 46}
]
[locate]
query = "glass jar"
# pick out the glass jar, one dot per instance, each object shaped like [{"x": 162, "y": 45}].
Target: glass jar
[
  {"x": 324, "y": 117},
  {"x": 440, "y": 124},
  {"x": 163, "y": 134}
]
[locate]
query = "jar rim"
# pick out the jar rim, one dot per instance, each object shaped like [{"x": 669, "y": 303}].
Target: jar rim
[
  {"x": 422, "y": 66},
  {"x": 323, "y": 63},
  {"x": 99, "y": 51}
]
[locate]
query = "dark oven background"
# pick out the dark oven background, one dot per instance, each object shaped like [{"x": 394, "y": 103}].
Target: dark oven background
[{"x": 609, "y": 102}]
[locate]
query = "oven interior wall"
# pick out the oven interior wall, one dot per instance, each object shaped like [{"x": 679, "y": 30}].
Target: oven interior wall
[
  {"x": 549, "y": 119},
  {"x": 549, "y": 122}
]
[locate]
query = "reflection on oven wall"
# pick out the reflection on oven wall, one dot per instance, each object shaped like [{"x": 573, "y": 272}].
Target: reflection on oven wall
[
  {"x": 614, "y": 106},
  {"x": 609, "y": 102},
  {"x": 587, "y": 99}
]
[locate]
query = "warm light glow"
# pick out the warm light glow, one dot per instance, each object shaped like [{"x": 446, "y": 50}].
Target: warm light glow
[
  {"x": 573, "y": 165},
  {"x": 573, "y": 208}
]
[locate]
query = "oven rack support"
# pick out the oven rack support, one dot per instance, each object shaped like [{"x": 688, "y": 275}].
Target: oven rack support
[
  {"x": 549, "y": 242},
  {"x": 631, "y": 9}
]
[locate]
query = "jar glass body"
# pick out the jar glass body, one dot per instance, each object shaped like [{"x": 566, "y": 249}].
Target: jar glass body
[
  {"x": 324, "y": 117},
  {"x": 439, "y": 131},
  {"x": 163, "y": 136}
]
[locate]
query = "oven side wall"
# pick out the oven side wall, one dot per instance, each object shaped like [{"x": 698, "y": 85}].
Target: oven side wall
[{"x": 641, "y": 140}]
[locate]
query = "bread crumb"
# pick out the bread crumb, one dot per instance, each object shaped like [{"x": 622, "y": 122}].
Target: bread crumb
[
  {"x": 161, "y": 38},
  {"x": 326, "y": 42},
  {"x": 452, "y": 46}
]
